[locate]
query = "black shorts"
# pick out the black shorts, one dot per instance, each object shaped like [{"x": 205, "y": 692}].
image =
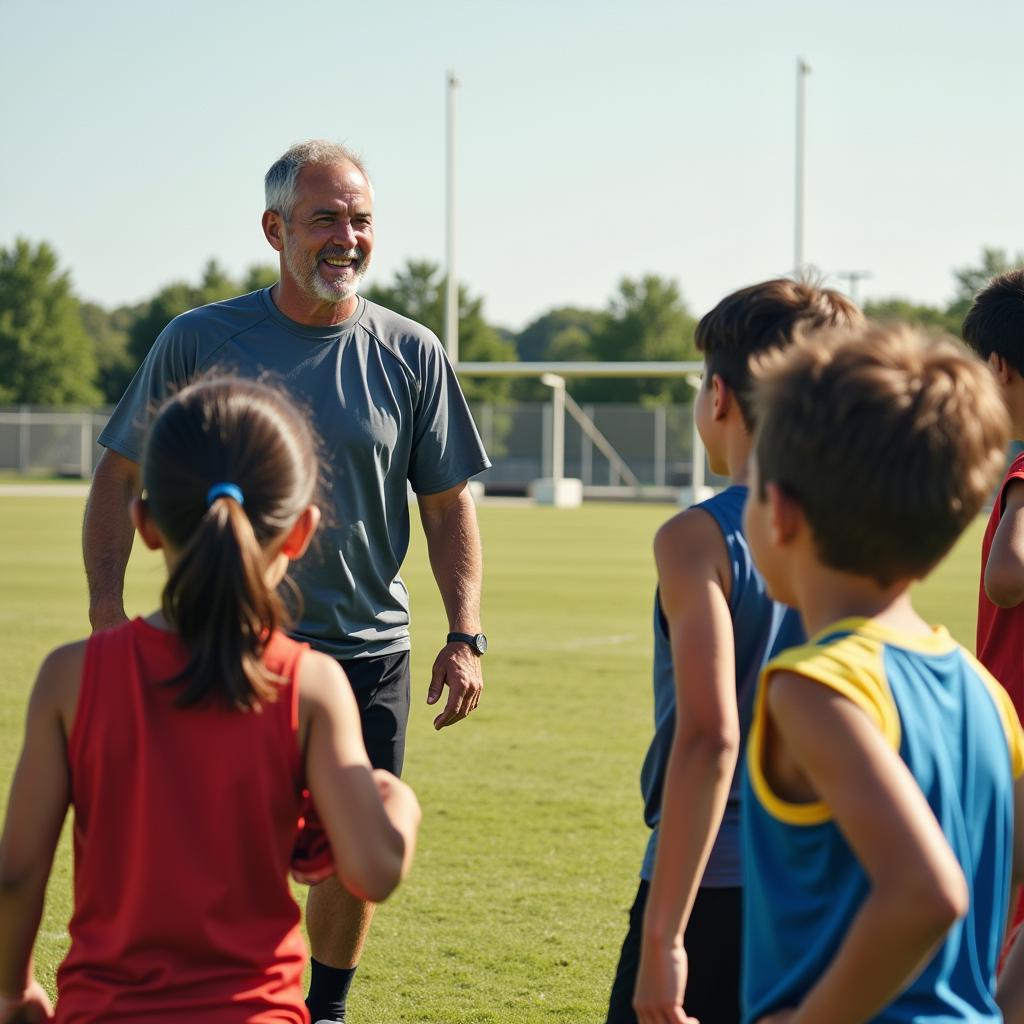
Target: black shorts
[
  {"x": 381, "y": 686},
  {"x": 713, "y": 950}
]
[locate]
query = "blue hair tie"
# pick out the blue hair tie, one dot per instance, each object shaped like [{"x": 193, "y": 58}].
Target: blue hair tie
[{"x": 224, "y": 491}]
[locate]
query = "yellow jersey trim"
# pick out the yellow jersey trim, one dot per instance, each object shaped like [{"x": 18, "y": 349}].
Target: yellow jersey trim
[
  {"x": 853, "y": 666},
  {"x": 937, "y": 641},
  {"x": 1007, "y": 715}
]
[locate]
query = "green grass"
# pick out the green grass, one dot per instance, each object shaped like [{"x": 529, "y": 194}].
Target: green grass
[
  {"x": 532, "y": 832},
  {"x": 41, "y": 477}
]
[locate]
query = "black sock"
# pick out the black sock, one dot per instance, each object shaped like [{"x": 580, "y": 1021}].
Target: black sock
[{"x": 328, "y": 990}]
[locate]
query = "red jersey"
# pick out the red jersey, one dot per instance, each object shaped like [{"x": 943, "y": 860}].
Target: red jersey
[
  {"x": 1001, "y": 630},
  {"x": 184, "y": 824}
]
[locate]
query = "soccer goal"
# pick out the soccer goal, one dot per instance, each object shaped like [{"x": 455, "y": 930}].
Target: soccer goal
[{"x": 560, "y": 490}]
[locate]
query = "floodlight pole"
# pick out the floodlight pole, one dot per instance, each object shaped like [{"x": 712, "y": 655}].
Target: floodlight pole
[
  {"x": 698, "y": 488},
  {"x": 852, "y": 277},
  {"x": 451, "y": 303},
  {"x": 557, "y": 385},
  {"x": 803, "y": 69}
]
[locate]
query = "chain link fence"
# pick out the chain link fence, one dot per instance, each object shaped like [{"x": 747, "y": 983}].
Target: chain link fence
[
  {"x": 654, "y": 442},
  {"x": 37, "y": 441}
]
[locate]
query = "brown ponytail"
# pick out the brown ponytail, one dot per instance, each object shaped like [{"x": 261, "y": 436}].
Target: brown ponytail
[{"x": 243, "y": 433}]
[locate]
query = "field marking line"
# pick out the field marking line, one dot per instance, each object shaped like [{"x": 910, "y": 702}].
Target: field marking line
[
  {"x": 583, "y": 643},
  {"x": 44, "y": 490}
]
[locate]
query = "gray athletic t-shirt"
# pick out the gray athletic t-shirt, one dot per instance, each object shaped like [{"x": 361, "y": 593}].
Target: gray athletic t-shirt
[{"x": 388, "y": 408}]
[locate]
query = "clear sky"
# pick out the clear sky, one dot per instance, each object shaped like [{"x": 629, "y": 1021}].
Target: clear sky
[{"x": 596, "y": 140}]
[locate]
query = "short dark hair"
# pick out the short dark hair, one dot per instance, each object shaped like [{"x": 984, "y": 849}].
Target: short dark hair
[
  {"x": 995, "y": 321},
  {"x": 889, "y": 439},
  {"x": 762, "y": 317}
]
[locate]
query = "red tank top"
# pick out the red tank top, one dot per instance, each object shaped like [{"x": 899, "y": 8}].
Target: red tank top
[
  {"x": 1001, "y": 630},
  {"x": 184, "y": 824}
]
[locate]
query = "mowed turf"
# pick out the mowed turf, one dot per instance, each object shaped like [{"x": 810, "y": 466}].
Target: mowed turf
[{"x": 532, "y": 831}]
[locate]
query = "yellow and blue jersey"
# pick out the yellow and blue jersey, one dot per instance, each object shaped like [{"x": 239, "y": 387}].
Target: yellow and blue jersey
[{"x": 957, "y": 731}]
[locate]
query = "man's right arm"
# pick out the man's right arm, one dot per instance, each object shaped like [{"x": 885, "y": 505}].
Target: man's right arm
[{"x": 107, "y": 536}]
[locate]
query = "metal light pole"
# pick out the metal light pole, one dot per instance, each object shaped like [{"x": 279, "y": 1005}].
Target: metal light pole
[
  {"x": 852, "y": 277},
  {"x": 451, "y": 302},
  {"x": 803, "y": 69}
]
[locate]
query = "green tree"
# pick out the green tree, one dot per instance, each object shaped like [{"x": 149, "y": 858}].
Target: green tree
[
  {"x": 646, "y": 321},
  {"x": 933, "y": 318},
  {"x": 109, "y": 331},
  {"x": 565, "y": 333},
  {"x": 46, "y": 357},
  {"x": 972, "y": 278},
  {"x": 418, "y": 292},
  {"x": 175, "y": 299},
  {"x": 260, "y": 275}
]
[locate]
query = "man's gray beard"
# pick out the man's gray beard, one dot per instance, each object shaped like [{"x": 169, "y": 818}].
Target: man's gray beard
[{"x": 305, "y": 274}]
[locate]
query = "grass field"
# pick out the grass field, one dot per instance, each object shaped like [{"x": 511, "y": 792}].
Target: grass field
[{"x": 532, "y": 832}]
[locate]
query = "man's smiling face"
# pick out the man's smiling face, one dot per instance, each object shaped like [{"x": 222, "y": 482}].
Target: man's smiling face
[{"x": 328, "y": 238}]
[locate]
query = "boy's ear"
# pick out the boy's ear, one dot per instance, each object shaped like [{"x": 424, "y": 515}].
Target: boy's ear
[
  {"x": 301, "y": 533},
  {"x": 721, "y": 397},
  {"x": 143, "y": 523},
  {"x": 1001, "y": 368},
  {"x": 785, "y": 515}
]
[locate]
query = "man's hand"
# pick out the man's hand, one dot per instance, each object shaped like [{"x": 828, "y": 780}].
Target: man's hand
[
  {"x": 453, "y": 543},
  {"x": 33, "y": 1006},
  {"x": 660, "y": 984},
  {"x": 458, "y": 668}
]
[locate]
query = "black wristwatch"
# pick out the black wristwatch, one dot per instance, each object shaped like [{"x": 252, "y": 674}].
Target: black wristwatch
[{"x": 477, "y": 641}]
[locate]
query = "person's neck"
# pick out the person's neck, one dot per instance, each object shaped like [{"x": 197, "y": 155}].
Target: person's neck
[
  {"x": 297, "y": 306},
  {"x": 737, "y": 455},
  {"x": 825, "y": 596}
]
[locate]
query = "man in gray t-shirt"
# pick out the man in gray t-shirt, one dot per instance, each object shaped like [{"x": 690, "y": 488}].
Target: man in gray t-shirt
[{"x": 388, "y": 408}]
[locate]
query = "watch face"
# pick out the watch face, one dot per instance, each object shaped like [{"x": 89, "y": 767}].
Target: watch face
[{"x": 480, "y": 643}]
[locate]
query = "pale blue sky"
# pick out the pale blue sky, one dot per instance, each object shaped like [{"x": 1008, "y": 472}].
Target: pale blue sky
[{"x": 596, "y": 139}]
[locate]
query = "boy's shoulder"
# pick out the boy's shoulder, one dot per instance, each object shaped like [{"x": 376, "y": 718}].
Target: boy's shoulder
[
  {"x": 851, "y": 658},
  {"x": 689, "y": 541},
  {"x": 713, "y": 519},
  {"x": 848, "y": 659},
  {"x": 695, "y": 548}
]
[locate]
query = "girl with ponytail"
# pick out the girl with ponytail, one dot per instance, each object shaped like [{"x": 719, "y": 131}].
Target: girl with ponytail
[{"x": 185, "y": 741}]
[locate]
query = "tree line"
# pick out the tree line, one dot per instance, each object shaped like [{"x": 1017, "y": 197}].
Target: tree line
[{"x": 58, "y": 350}]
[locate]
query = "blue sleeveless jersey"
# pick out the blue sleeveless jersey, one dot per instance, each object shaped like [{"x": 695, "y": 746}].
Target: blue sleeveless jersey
[
  {"x": 956, "y": 729},
  {"x": 761, "y": 628}
]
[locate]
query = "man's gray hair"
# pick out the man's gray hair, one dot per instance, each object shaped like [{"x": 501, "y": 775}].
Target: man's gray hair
[{"x": 280, "y": 184}]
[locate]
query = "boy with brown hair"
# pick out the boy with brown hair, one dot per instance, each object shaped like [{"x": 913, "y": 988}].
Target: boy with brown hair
[
  {"x": 714, "y": 626},
  {"x": 883, "y": 768}
]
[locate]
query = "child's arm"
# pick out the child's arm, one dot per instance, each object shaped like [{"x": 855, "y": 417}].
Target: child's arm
[
  {"x": 1010, "y": 991},
  {"x": 35, "y": 813},
  {"x": 691, "y": 558},
  {"x": 1004, "y": 571},
  {"x": 370, "y": 817},
  {"x": 917, "y": 887}
]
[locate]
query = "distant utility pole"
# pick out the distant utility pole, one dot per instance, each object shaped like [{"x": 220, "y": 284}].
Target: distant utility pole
[
  {"x": 852, "y": 277},
  {"x": 803, "y": 69},
  {"x": 451, "y": 303}
]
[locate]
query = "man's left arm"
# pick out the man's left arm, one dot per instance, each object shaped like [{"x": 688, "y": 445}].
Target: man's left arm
[{"x": 453, "y": 542}]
